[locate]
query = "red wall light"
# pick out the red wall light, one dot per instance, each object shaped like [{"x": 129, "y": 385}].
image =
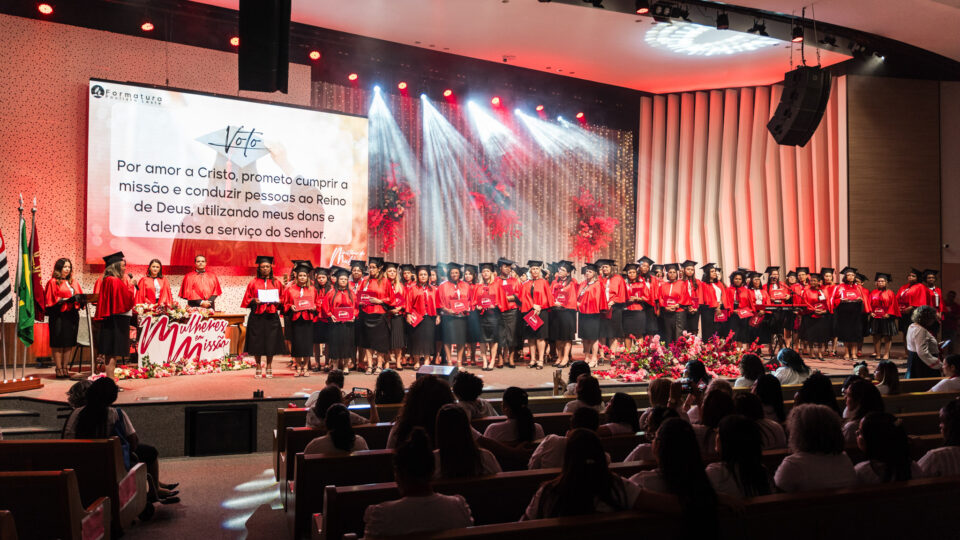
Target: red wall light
[
  {"x": 495, "y": 101},
  {"x": 579, "y": 116},
  {"x": 147, "y": 26},
  {"x": 447, "y": 93},
  {"x": 353, "y": 77},
  {"x": 45, "y": 9},
  {"x": 235, "y": 41},
  {"x": 539, "y": 108},
  {"x": 314, "y": 55},
  {"x": 643, "y": 11},
  {"x": 402, "y": 85}
]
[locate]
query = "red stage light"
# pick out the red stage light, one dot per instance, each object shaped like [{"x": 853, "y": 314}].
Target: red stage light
[
  {"x": 45, "y": 9},
  {"x": 447, "y": 93},
  {"x": 643, "y": 11},
  {"x": 495, "y": 101},
  {"x": 353, "y": 77},
  {"x": 402, "y": 85},
  {"x": 235, "y": 41},
  {"x": 539, "y": 108},
  {"x": 147, "y": 26},
  {"x": 579, "y": 116},
  {"x": 314, "y": 55}
]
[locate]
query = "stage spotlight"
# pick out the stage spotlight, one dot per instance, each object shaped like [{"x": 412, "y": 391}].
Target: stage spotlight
[
  {"x": 797, "y": 34},
  {"x": 559, "y": 119},
  {"x": 352, "y": 77},
  {"x": 539, "y": 108},
  {"x": 495, "y": 101},
  {"x": 314, "y": 55},
  {"x": 723, "y": 21},
  {"x": 580, "y": 116},
  {"x": 643, "y": 7},
  {"x": 376, "y": 88},
  {"x": 402, "y": 85},
  {"x": 235, "y": 41},
  {"x": 759, "y": 28},
  {"x": 447, "y": 93},
  {"x": 147, "y": 26},
  {"x": 45, "y": 9},
  {"x": 517, "y": 111},
  {"x": 424, "y": 97}
]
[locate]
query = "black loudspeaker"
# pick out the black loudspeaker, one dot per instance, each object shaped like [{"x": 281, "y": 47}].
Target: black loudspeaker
[
  {"x": 444, "y": 372},
  {"x": 220, "y": 429},
  {"x": 264, "y": 54},
  {"x": 806, "y": 91}
]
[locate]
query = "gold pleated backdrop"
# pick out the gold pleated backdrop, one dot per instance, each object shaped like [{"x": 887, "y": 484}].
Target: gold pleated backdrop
[{"x": 541, "y": 187}]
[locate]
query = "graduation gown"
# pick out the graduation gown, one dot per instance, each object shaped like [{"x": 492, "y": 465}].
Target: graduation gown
[
  {"x": 301, "y": 306},
  {"x": 264, "y": 331},
  {"x": 421, "y": 301},
  {"x": 934, "y": 298},
  {"x": 147, "y": 292},
  {"x": 816, "y": 327},
  {"x": 341, "y": 308},
  {"x": 591, "y": 300},
  {"x": 199, "y": 286},
  {"x": 537, "y": 292},
  {"x": 62, "y": 312},
  {"x": 55, "y": 292},
  {"x": 114, "y": 303}
]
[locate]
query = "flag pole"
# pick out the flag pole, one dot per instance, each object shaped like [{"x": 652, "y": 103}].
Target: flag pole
[
  {"x": 33, "y": 225},
  {"x": 16, "y": 341}
]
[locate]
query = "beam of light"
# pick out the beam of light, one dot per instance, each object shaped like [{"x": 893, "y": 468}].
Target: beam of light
[
  {"x": 565, "y": 139},
  {"x": 389, "y": 149},
  {"x": 496, "y": 138},
  {"x": 252, "y": 501},
  {"x": 699, "y": 40},
  {"x": 255, "y": 485}
]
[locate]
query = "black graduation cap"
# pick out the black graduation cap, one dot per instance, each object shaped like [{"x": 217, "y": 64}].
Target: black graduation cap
[
  {"x": 916, "y": 272},
  {"x": 847, "y": 269},
  {"x": 862, "y": 277},
  {"x": 390, "y": 264},
  {"x": 825, "y": 270},
  {"x": 738, "y": 272},
  {"x": 488, "y": 266},
  {"x": 263, "y": 259},
  {"x": 320, "y": 271},
  {"x": 531, "y": 264},
  {"x": 687, "y": 263},
  {"x": 791, "y": 274},
  {"x": 113, "y": 258},
  {"x": 566, "y": 264},
  {"x": 743, "y": 270},
  {"x": 630, "y": 266},
  {"x": 752, "y": 275},
  {"x": 656, "y": 268},
  {"x": 357, "y": 264},
  {"x": 454, "y": 266},
  {"x": 407, "y": 268},
  {"x": 601, "y": 262},
  {"x": 434, "y": 268},
  {"x": 420, "y": 267},
  {"x": 472, "y": 268},
  {"x": 707, "y": 266},
  {"x": 882, "y": 275},
  {"x": 645, "y": 259},
  {"x": 375, "y": 261},
  {"x": 337, "y": 271},
  {"x": 804, "y": 269},
  {"x": 521, "y": 270},
  {"x": 929, "y": 272},
  {"x": 589, "y": 266},
  {"x": 771, "y": 269},
  {"x": 303, "y": 266},
  {"x": 671, "y": 266},
  {"x": 504, "y": 261}
]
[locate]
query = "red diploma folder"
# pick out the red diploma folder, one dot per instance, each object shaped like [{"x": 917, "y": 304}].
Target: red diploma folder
[
  {"x": 720, "y": 317},
  {"x": 342, "y": 314},
  {"x": 416, "y": 319},
  {"x": 305, "y": 304},
  {"x": 533, "y": 320}
]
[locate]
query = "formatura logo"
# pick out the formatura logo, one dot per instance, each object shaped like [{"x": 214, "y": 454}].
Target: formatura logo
[
  {"x": 97, "y": 91},
  {"x": 340, "y": 257}
]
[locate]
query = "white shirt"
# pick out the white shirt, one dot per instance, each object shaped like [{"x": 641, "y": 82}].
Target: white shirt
[
  {"x": 743, "y": 382},
  {"x": 324, "y": 445},
  {"x": 772, "y": 434},
  {"x": 867, "y": 472},
  {"x": 408, "y": 515},
  {"x": 643, "y": 452},
  {"x": 787, "y": 376},
  {"x": 70, "y": 430},
  {"x": 943, "y": 461},
  {"x": 506, "y": 431},
  {"x": 723, "y": 480},
  {"x": 802, "y": 471},
  {"x": 650, "y": 481},
  {"x": 576, "y": 404},
  {"x": 615, "y": 428},
  {"x": 488, "y": 463},
  {"x": 947, "y": 385},
  {"x": 922, "y": 342},
  {"x": 319, "y": 423},
  {"x": 630, "y": 491},
  {"x": 549, "y": 453},
  {"x": 478, "y": 408}
]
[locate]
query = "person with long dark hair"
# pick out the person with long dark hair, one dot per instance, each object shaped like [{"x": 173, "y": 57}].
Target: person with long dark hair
[
  {"x": 717, "y": 405},
  {"x": 563, "y": 316},
  {"x": 690, "y": 316},
  {"x": 422, "y": 318},
  {"x": 739, "y": 303},
  {"x": 536, "y": 299},
  {"x": 340, "y": 305},
  {"x": 816, "y": 324},
  {"x": 887, "y": 378},
  {"x": 590, "y": 303},
  {"x": 153, "y": 288},
  {"x": 778, "y": 294},
  {"x": 340, "y": 437},
  {"x": 424, "y": 399},
  {"x": 472, "y": 278},
  {"x": 321, "y": 326},
  {"x": 301, "y": 302},
  {"x": 672, "y": 299},
  {"x": 374, "y": 295},
  {"x": 588, "y": 395},
  {"x": 550, "y": 451},
  {"x": 885, "y": 444},
  {"x": 330, "y": 395},
  {"x": 818, "y": 389},
  {"x": 62, "y": 300},
  {"x": 419, "y": 509},
  {"x": 740, "y": 472},
  {"x": 655, "y": 417},
  {"x": 772, "y": 434},
  {"x": 519, "y": 427},
  {"x": 712, "y": 301},
  {"x": 585, "y": 485},
  {"x": 759, "y": 328},
  {"x": 614, "y": 299},
  {"x": 114, "y": 310},
  {"x": 862, "y": 398},
  {"x": 792, "y": 368},
  {"x": 770, "y": 392},
  {"x": 389, "y": 387},
  {"x": 951, "y": 375},
  {"x": 264, "y": 332},
  {"x": 456, "y": 452},
  {"x": 489, "y": 301},
  {"x": 818, "y": 460},
  {"x": 621, "y": 415}
]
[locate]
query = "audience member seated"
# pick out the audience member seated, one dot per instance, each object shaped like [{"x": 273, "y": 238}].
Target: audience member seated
[
  {"x": 76, "y": 398},
  {"x": 622, "y": 417},
  {"x": 740, "y": 472},
  {"x": 922, "y": 348},
  {"x": 334, "y": 377},
  {"x": 389, "y": 388},
  {"x": 419, "y": 509},
  {"x": 817, "y": 390},
  {"x": 549, "y": 453},
  {"x": 792, "y": 369},
  {"x": 585, "y": 486},
  {"x": 468, "y": 387},
  {"x": 888, "y": 378},
  {"x": 588, "y": 395},
  {"x": 751, "y": 368},
  {"x": 331, "y": 395},
  {"x": 887, "y": 448},
  {"x": 658, "y": 415},
  {"x": 862, "y": 398},
  {"x": 663, "y": 392},
  {"x": 770, "y": 392},
  {"x": 420, "y": 408},
  {"x": 694, "y": 402},
  {"x": 818, "y": 460},
  {"x": 340, "y": 437},
  {"x": 457, "y": 454},
  {"x": 98, "y": 420},
  {"x": 519, "y": 427},
  {"x": 577, "y": 369},
  {"x": 680, "y": 472},
  {"x": 772, "y": 435},
  {"x": 951, "y": 374},
  {"x": 717, "y": 404},
  {"x": 945, "y": 461}
]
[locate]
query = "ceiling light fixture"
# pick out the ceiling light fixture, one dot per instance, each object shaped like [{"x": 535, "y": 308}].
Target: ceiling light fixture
[
  {"x": 147, "y": 26},
  {"x": 723, "y": 21},
  {"x": 642, "y": 7},
  {"x": 698, "y": 40},
  {"x": 314, "y": 55},
  {"x": 235, "y": 41},
  {"x": 759, "y": 28},
  {"x": 45, "y": 9},
  {"x": 797, "y": 34}
]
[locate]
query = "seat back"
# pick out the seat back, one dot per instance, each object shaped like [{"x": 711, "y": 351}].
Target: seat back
[
  {"x": 97, "y": 463},
  {"x": 44, "y": 504}
]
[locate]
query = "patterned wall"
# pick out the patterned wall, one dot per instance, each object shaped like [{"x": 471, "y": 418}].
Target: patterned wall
[{"x": 43, "y": 122}]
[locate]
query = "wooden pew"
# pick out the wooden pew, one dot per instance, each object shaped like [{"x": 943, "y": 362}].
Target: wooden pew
[
  {"x": 8, "y": 526},
  {"x": 99, "y": 469},
  {"x": 920, "y": 423},
  {"x": 46, "y": 504}
]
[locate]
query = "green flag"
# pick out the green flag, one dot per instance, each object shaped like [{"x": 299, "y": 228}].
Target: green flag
[{"x": 25, "y": 297}]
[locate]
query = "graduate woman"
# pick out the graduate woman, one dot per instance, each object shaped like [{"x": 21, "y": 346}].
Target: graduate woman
[
  {"x": 690, "y": 316},
  {"x": 673, "y": 300},
  {"x": 615, "y": 290},
  {"x": 563, "y": 316},
  {"x": 301, "y": 302},
  {"x": 374, "y": 294},
  {"x": 739, "y": 302},
  {"x": 712, "y": 314},
  {"x": 591, "y": 299},
  {"x": 815, "y": 328},
  {"x": 634, "y": 316},
  {"x": 453, "y": 301},
  {"x": 63, "y": 299},
  {"x": 114, "y": 309},
  {"x": 264, "y": 332},
  {"x": 470, "y": 277},
  {"x": 510, "y": 318},
  {"x": 536, "y": 299},
  {"x": 884, "y": 314},
  {"x": 760, "y": 328},
  {"x": 153, "y": 288},
  {"x": 849, "y": 302},
  {"x": 395, "y": 315},
  {"x": 321, "y": 325},
  {"x": 340, "y": 304},
  {"x": 489, "y": 301},
  {"x": 422, "y": 319}
]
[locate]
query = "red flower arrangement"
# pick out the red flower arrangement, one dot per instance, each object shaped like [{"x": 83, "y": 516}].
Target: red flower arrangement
[
  {"x": 492, "y": 199},
  {"x": 384, "y": 219},
  {"x": 594, "y": 230}
]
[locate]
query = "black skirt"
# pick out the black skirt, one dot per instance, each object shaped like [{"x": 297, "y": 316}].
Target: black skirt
[
  {"x": 589, "y": 326},
  {"x": 905, "y": 322},
  {"x": 398, "y": 332},
  {"x": 64, "y": 326},
  {"x": 264, "y": 335},
  {"x": 634, "y": 323},
  {"x": 710, "y": 327},
  {"x": 490, "y": 321},
  {"x": 690, "y": 322},
  {"x": 883, "y": 327},
  {"x": 374, "y": 333},
  {"x": 815, "y": 329},
  {"x": 114, "y": 336},
  {"x": 508, "y": 329},
  {"x": 321, "y": 331},
  {"x": 473, "y": 327},
  {"x": 543, "y": 331},
  {"x": 612, "y": 328},
  {"x": 453, "y": 329},
  {"x": 849, "y": 321},
  {"x": 422, "y": 338},
  {"x": 287, "y": 327},
  {"x": 301, "y": 338},
  {"x": 563, "y": 324},
  {"x": 341, "y": 343},
  {"x": 671, "y": 326},
  {"x": 917, "y": 369}
]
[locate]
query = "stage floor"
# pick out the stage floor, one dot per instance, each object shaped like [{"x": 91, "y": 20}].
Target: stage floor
[{"x": 240, "y": 385}]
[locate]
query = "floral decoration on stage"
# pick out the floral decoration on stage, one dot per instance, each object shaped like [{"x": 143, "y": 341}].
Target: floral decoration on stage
[
  {"x": 194, "y": 366},
  {"x": 493, "y": 201},
  {"x": 384, "y": 220},
  {"x": 594, "y": 229},
  {"x": 651, "y": 359},
  {"x": 175, "y": 313}
]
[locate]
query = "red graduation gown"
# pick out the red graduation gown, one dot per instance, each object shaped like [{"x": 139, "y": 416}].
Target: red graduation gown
[
  {"x": 380, "y": 289},
  {"x": 454, "y": 298},
  {"x": 640, "y": 292},
  {"x": 55, "y": 292},
  {"x": 778, "y": 293},
  {"x": 336, "y": 299},
  {"x": 615, "y": 288},
  {"x": 813, "y": 299},
  {"x": 565, "y": 294},
  {"x": 511, "y": 287},
  {"x": 250, "y": 295},
  {"x": 535, "y": 292},
  {"x": 673, "y": 294},
  {"x": 739, "y": 300},
  {"x": 708, "y": 295},
  {"x": 488, "y": 296},
  {"x": 115, "y": 297},
  {"x": 883, "y": 302},
  {"x": 147, "y": 293},
  {"x": 199, "y": 286},
  {"x": 421, "y": 300},
  {"x": 693, "y": 292},
  {"x": 294, "y": 295},
  {"x": 934, "y": 298},
  {"x": 591, "y": 298},
  {"x": 850, "y": 293}
]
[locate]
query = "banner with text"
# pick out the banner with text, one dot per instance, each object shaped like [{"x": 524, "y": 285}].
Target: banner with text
[{"x": 172, "y": 173}]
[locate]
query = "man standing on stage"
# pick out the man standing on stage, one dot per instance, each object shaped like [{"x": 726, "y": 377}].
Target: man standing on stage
[{"x": 200, "y": 288}]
